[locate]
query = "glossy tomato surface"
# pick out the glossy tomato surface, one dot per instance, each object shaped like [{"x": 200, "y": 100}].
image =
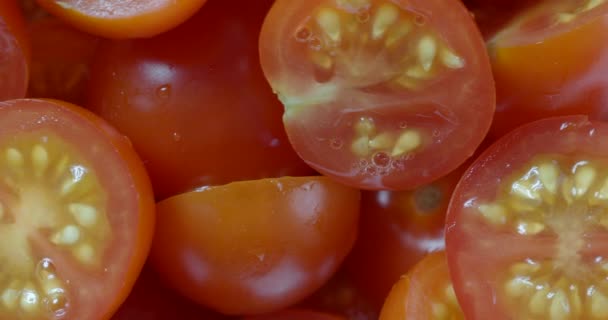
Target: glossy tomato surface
[
  {"x": 526, "y": 227},
  {"x": 76, "y": 213},
  {"x": 264, "y": 243},
  {"x": 551, "y": 60},
  {"x": 379, "y": 94},
  {"x": 15, "y": 50},
  {"x": 397, "y": 230},
  {"x": 200, "y": 113},
  {"x": 123, "y": 18},
  {"x": 424, "y": 293},
  {"x": 296, "y": 314}
]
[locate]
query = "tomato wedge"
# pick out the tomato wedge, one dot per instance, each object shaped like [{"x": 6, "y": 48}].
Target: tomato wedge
[
  {"x": 76, "y": 213},
  {"x": 121, "y": 19},
  {"x": 526, "y": 228},
  {"x": 424, "y": 293},
  {"x": 15, "y": 50},
  {"x": 266, "y": 243},
  {"x": 551, "y": 60},
  {"x": 379, "y": 94}
]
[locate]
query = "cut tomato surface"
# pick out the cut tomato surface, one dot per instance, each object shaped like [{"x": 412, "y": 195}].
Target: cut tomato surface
[
  {"x": 379, "y": 94},
  {"x": 76, "y": 213},
  {"x": 266, "y": 243},
  {"x": 551, "y": 60},
  {"x": 123, "y": 18},
  {"x": 424, "y": 293},
  {"x": 15, "y": 50},
  {"x": 526, "y": 227}
]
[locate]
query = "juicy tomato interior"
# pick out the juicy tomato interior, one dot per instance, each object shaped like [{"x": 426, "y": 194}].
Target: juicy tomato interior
[
  {"x": 397, "y": 230},
  {"x": 424, "y": 293},
  {"x": 550, "y": 61},
  {"x": 536, "y": 233},
  {"x": 123, "y": 18},
  {"x": 76, "y": 227},
  {"x": 15, "y": 49},
  {"x": 266, "y": 243},
  {"x": 379, "y": 94}
]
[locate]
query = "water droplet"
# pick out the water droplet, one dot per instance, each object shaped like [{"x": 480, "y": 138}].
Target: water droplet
[
  {"x": 381, "y": 159},
  {"x": 363, "y": 163},
  {"x": 303, "y": 34},
  {"x": 336, "y": 143},
  {"x": 57, "y": 304},
  {"x": 45, "y": 269},
  {"x": 315, "y": 43},
  {"x": 436, "y": 133},
  {"x": 420, "y": 20},
  {"x": 371, "y": 171},
  {"x": 402, "y": 125},
  {"x": 177, "y": 137},
  {"x": 363, "y": 16},
  {"x": 164, "y": 91}
]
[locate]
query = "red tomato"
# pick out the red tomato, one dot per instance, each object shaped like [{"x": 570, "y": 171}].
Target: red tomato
[
  {"x": 59, "y": 71},
  {"x": 549, "y": 61},
  {"x": 424, "y": 293},
  {"x": 379, "y": 94},
  {"x": 398, "y": 229},
  {"x": 15, "y": 52},
  {"x": 76, "y": 213},
  {"x": 266, "y": 243},
  {"x": 149, "y": 300},
  {"x": 180, "y": 107},
  {"x": 526, "y": 235},
  {"x": 296, "y": 315},
  {"x": 123, "y": 18}
]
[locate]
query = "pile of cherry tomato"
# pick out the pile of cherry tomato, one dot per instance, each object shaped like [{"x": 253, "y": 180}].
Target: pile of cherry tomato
[{"x": 303, "y": 159}]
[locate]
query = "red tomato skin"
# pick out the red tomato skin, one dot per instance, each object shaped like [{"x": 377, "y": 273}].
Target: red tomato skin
[
  {"x": 15, "y": 48},
  {"x": 175, "y": 105},
  {"x": 296, "y": 314}
]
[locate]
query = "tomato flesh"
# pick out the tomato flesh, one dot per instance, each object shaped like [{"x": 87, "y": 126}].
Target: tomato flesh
[
  {"x": 539, "y": 223},
  {"x": 359, "y": 81},
  {"x": 73, "y": 244}
]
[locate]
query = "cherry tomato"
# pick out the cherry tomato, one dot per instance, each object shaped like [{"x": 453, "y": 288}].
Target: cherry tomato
[
  {"x": 379, "y": 94},
  {"x": 150, "y": 300},
  {"x": 550, "y": 61},
  {"x": 59, "y": 71},
  {"x": 296, "y": 314},
  {"x": 123, "y": 18},
  {"x": 76, "y": 213},
  {"x": 424, "y": 293},
  {"x": 200, "y": 113},
  {"x": 265, "y": 243},
  {"x": 15, "y": 50},
  {"x": 398, "y": 229},
  {"x": 526, "y": 226}
]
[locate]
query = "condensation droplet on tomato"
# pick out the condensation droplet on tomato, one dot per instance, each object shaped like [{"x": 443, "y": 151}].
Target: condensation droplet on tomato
[
  {"x": 402, "y": 125},
  {"x": 45, "y": 269},
  {"x": 57, "y": 304},
  {"x": 336, "y": 143},
  {"x": 315, "y": 43},
  {"x": 567, "y": 126},
  {"x": 436, "y": 133},
  {"x": 164, "y": 91},
  {"x": 363, "y": 16},
  {"x": 303, "y": 34},
  {"x": 381, "y": 159},
  {"x": 591, "y": 132},
  {"x": 177, "y": 137},
  {"x": 420, "y": 20}
]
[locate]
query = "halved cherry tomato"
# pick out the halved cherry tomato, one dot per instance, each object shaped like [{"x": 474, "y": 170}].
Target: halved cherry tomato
[
  {"x": 123, "y": 18},
  {"x": 253, "y": 247},
  {"x": 379, "y": 94},
  {"x": 424, "y": 293},
  {"x": 76, "y": 213},
  {"x": 200, "y": 113},
  {"x": 15, "y": 52},
  {"x": 150, "y": 300},
  {"x": 526, "y": 227},
  {"x": 61, "y": 60},
  {"x": 398, "y": 229},
  {"x": 550, "y": 61},
  {"x": 296, "y": 314}
]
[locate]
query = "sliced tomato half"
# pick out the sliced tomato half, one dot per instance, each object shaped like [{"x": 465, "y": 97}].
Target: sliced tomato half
[
  {"x": 527, "y": 227},
  {"x": 379, "y": 94},
  {"x": 76, "y": 213}
]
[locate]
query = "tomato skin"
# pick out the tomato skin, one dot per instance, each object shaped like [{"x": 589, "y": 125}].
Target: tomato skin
[
  {"x": 175, "y": 104},
  {"x": 549, "y": 72},
  {"x": 413, "y": 296},
  {"x": 15, "y": 49},
  {"x": 289, "y": 231},
  {"x": 296, "y": 314},
  {"x": 321, "y": 116},
  {"x": 397, "y": 230},
  {"x": 129, "y": 19},
  {"x": 65, "y": 115}
]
